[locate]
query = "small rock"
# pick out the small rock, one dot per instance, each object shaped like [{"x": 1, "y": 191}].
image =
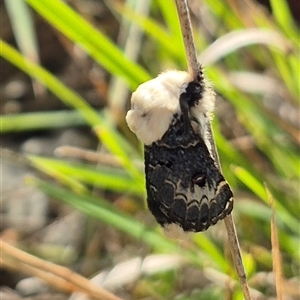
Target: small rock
[{"x": 31, "y": 286}]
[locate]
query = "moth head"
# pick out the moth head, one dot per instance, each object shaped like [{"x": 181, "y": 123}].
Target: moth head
[{"x": 154, "y": 104}]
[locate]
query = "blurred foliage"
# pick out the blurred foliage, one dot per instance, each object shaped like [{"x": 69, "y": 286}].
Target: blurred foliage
[{"x": 262, "y": 147}]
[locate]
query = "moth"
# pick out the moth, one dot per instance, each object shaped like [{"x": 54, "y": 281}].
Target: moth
[{"x": 185, "y": 188}]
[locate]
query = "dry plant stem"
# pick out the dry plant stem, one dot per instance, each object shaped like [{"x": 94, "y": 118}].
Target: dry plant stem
[
  {"x": 92, "y": 156},
  {"x": 193, "y": 68},
  {"x": 58, "y": 276},
  {"x": 51, "y": 279},
  {"x": 186, "y": 29},
  {"x": 277, "y": 269},
  {"x": 236, "y": 255}
]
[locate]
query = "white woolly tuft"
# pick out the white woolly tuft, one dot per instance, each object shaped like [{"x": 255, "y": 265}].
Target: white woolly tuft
[
  {"x": 206, "y": 104},
  {"x": 155, "y": 102},
  {"x": 204, "y": 110},
  {"x": 175, "y": 232}
]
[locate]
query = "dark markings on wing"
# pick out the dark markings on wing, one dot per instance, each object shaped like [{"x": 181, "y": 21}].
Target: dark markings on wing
[{"x": 184, "y": 185}]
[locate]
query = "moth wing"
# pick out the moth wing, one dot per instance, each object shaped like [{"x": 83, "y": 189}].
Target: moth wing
[{"x": 185, "y": 187}]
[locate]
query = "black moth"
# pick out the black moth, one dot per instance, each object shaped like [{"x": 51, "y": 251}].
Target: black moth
[{"x": 184, "y": 185}]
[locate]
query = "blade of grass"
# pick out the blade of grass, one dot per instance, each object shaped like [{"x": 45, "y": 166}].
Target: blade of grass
[
  {"x": 93, "y": 41},
  {"x": 130, "y": 38},
  {"x": 90, "y": 156},
  {"x": 258, "y": 212},
  {"x": 23, "y": 27},
  {"x": 106, "y": 178},
  {"x": 230, "y": 153},
  {"x": 171, "y": 46},
  {"x": 204, "y": 243},
  {"x": 224, "y": 12},
  {"x": 282, "y": 14},
  {"x": 275, "y": 248},
  {"x": 233, "y": 17},
  {"x": 262, "y": 128},
  {"x": 71, "y": 182},
  {"x": 109, "y": 137},
  {"x": 105, "y": 212},
  {"x": 40, "y": 121},
  {"x": 25, "y": 35},
  {"x": 258, "y": 189},
  {"x": 235, "y": 40},
  {"x": 69, "y": 97},
  {"x": 285, "y": 67},
  {"x": 58, "y": 276},
  {"x": 169, "y": 12}
]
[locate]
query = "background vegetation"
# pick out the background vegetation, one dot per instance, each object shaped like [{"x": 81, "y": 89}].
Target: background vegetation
[{"x": 250, "y": 55}]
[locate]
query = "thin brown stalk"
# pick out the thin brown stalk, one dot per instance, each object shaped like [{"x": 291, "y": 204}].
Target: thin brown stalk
[
  {"x": 275, "y": 250},
  {"x": 92, "y": 156},
  {"x": 51, "y": 279},
  {"x": 58, "y": 276},
  {"x": 193, "y": 68},
  {"x": 187, "y": 35}
]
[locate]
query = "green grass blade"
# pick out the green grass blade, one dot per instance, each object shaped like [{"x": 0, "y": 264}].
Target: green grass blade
[
  {"x": 105, "y": 212},
  {"x": 169, "y": 12},
  {"x": 23, "y": 27},
  {"x": 70, "y": 182},
  {"x": 283, "y": 16},
  {"x": 204, "y": 243},
  {"x": 258, "y": 189},
  {"x": 260, "y": 212},
  {"x": 96, "y": 44},
  {"x": 40, "y": 121},
  {"x": 106, "y": 178},
  {"x": 69, "y": 97},
  {"x": 110, "y": 138},
  {"x": 171, "y": 46}
]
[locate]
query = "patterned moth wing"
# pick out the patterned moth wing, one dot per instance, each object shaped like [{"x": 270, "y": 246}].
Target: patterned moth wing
[{"x": 184, "y": 185}]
